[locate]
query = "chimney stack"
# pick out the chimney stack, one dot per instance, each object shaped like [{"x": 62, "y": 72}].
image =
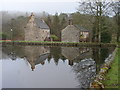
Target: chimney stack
[
  {"x": 32, "y": 14},
  {"x": 70, "y": 22}
]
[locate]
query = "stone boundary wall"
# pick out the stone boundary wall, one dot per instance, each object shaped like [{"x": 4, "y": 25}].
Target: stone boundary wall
[{"x": 103, "y": 71}]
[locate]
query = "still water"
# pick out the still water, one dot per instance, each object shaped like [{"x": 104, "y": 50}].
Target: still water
[{"x": 51, "y": 67}]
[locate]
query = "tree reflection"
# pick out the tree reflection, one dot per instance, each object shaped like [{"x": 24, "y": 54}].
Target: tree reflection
[
  {"x": 39, "y": 54},
  {"x": 99, "y": 55},
  {"x": 55, "y": 53},
  {"x": 12, "y": 55}
]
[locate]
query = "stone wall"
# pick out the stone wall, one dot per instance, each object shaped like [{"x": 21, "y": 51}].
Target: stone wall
[
  {"x": 97, "y": 83},
  {"x": 43, "y": 33},
  {"x": 70, "y": 34},
  {"x": 30, "y": 32},
  {"x": 86, "y": 72}
]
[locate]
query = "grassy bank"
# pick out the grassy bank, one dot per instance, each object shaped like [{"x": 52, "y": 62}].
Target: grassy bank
[{"x": 111, "y": 79}]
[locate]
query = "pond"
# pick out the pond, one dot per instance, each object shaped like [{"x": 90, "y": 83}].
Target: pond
[{"x": 51, "y": 67}]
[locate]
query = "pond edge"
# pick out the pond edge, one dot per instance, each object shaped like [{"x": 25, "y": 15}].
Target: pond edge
[{"x": 97, "y": 83}]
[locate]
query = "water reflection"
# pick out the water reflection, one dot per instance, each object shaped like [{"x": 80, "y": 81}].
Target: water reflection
[
  {"x": 76, "y": 54},
  {"x": 36, "y": 55},
  {"x": 78, "y": 65}
]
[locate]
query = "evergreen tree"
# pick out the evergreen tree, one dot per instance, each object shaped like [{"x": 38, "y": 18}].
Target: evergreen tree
[
  {"x": 105, "y": 33},
  {"x": 116, "y": 10},
  {"x": 49, "y": 21},
  {"x": 56, "y": 25},
  {"x": 63, "y": 23}
]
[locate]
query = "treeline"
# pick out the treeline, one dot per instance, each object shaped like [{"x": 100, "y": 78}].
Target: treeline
[
  {"x": 99, "y": 10},
  {"x": 93, "y": 16},
  {"x": 15, "y": 21},
  {"x": 58, "y": 22},
  {"x": 14, "y": 28}
]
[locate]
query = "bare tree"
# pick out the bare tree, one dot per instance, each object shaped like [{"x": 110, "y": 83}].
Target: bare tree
[
  {"x": 116, "y": 10},
  {"x": 97, "y": 9}
]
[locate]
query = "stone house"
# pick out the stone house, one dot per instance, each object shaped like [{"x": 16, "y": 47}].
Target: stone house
[
  {"x": 75, "y": 33},
  {"x": 85, "y": 34},
  {"x": 36, "y": 29}
]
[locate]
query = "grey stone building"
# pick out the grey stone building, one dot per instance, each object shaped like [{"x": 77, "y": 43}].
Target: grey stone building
[
  {"x": 75, "y": 33},
  {"x": 36, "y": 29}
]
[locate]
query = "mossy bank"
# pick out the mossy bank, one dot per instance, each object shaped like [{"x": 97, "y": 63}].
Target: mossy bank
[{"x": 112, "y": 78}]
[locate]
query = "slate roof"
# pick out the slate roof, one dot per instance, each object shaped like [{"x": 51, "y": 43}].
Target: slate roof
[
  {"x": 71, "y": 27},
  {"x": 41, "y": 24},
  {"x": 81, "y": 28},
  {"x": 76, "y": 27}
]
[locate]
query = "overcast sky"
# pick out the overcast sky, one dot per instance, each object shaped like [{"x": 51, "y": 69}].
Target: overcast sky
[{"x": 50, "y": 6}]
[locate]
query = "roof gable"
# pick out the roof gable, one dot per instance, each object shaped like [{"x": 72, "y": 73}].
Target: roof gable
[
  {"x": 71, "y": 27},
  {"x": 75, "y": 27},
  {"x": 42, "y": 58}
]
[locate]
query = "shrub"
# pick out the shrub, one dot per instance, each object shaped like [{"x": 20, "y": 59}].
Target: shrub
[
  {"x": 54, "y": 37},
  {"x": 105, "y": 37},
  {"x": 3, "y": 36}
]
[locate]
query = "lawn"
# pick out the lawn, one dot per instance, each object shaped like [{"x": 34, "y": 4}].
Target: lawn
[{"x": 112, "y": 79}]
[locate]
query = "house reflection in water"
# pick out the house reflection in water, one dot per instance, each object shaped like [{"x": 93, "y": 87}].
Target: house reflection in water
[
  {"x": 36, "y": 55},
  {"x": 74, "y": 54},
  {"x": 85, "y": 67}
]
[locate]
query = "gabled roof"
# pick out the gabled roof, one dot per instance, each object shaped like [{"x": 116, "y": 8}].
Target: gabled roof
[
  {"x": 41, "y": 24},
  {"x": 76, "y": 27},
  {"x": 71, "y": 27},
  {"x": 81, "y": 28},
  {"x": 42, "y": 58}
]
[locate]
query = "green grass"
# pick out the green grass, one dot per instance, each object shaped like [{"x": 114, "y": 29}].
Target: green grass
[
  {"x": 58, "y": 42},
  {"x": 111, "y": 79},
  {"x": 119, "y": 67}
]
